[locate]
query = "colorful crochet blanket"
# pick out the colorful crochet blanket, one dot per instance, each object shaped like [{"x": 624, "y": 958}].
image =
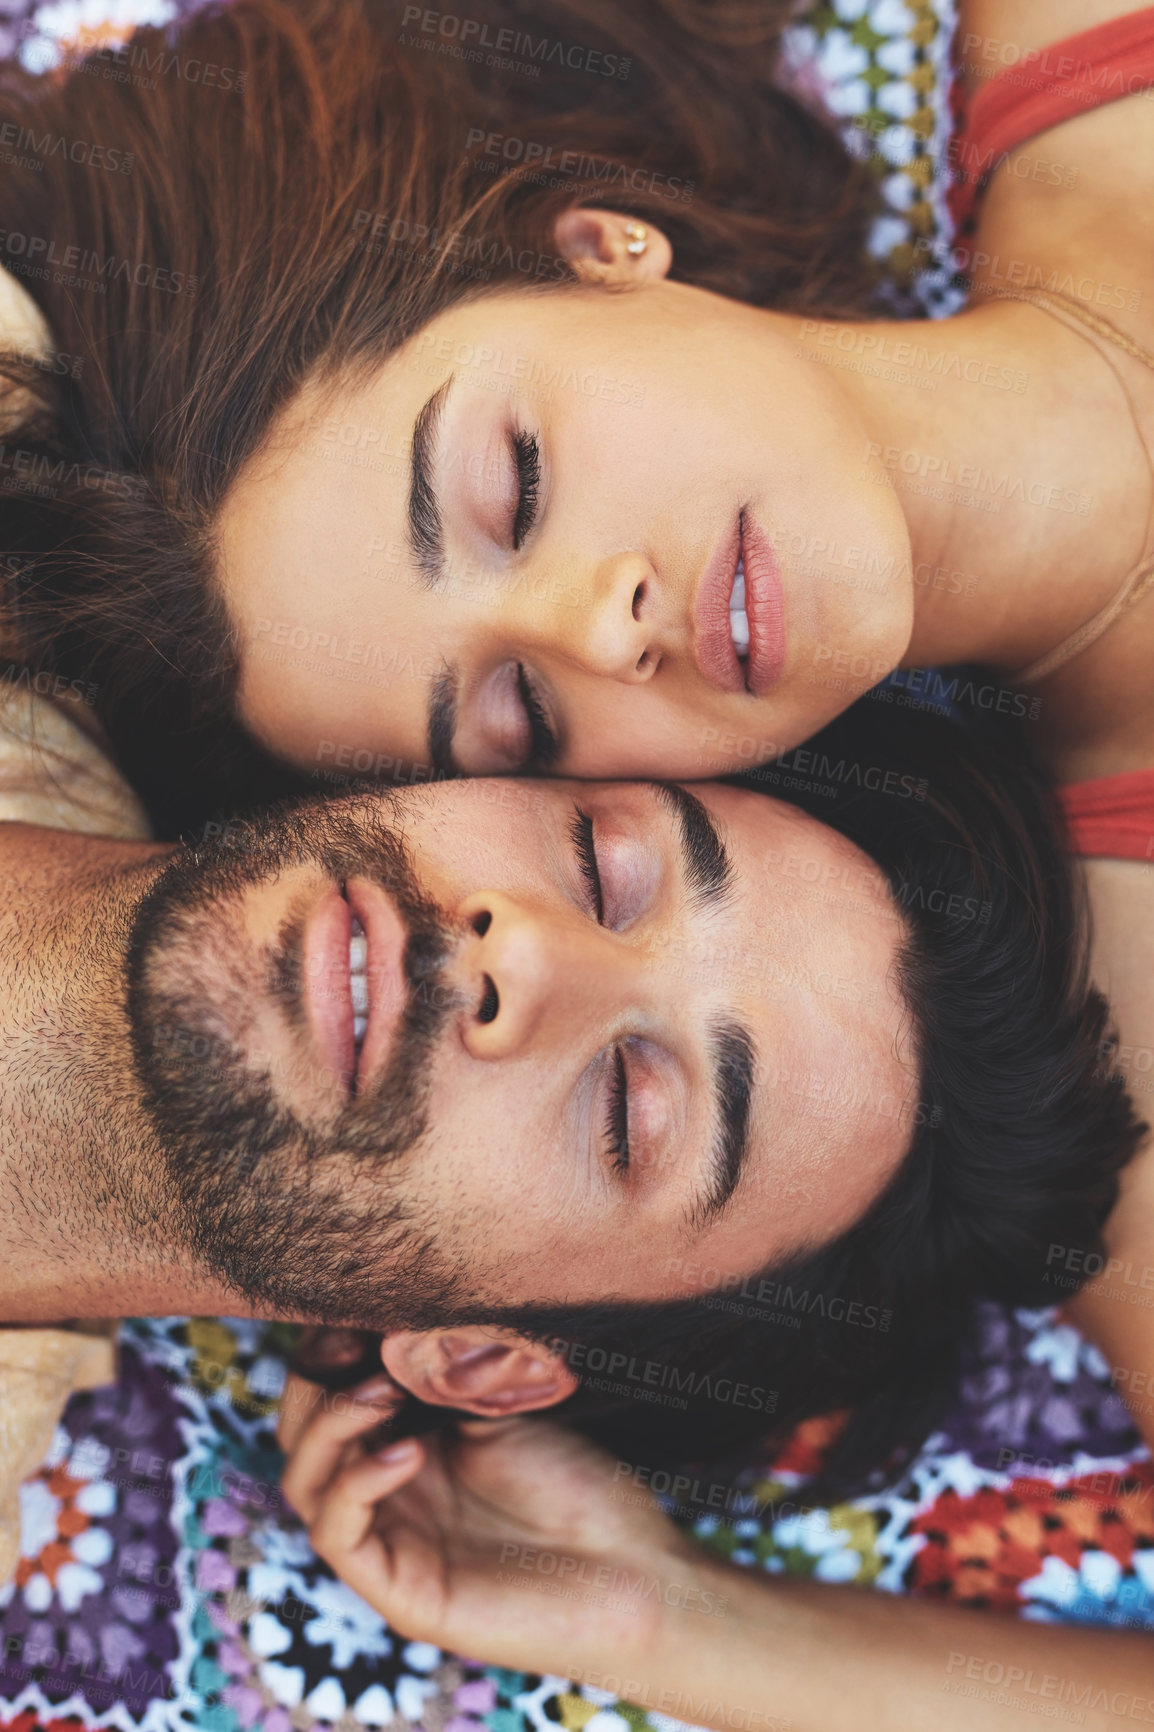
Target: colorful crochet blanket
[{"x": 164, "y": 1585}]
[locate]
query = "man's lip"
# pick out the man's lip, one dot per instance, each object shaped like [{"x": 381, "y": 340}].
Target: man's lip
[
  {"x": 325, "y": 974},
  {"x": 712, "y": 639},
  {"x": 764, "y": 609},
  {"x": 325, "y": 982},
  {"x": 385, "y": 937}
]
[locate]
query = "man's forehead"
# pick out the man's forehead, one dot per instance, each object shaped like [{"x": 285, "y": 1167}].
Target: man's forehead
[
  {"x": 522, "y": 796},
  {"x": 804, "y": 854}
]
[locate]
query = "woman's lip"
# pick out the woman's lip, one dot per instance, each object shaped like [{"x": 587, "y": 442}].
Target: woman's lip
[
  {"x": 385, "y": 938},
  {"x": 764, "y": 608},
  {"x": 713, "y": 647},
  {"x": 712, "y": 639},
  {"x": 325, "y": 970}
]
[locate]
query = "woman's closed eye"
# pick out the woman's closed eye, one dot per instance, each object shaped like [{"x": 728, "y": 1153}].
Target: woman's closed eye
[
  {"x": 527, "y": 459},
  {"x": 515, "y": 734},
  {"x": 543, "y": 742}
]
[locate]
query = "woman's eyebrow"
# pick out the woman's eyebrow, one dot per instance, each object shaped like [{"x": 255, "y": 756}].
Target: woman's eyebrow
[{"x": 426, "y": 532}]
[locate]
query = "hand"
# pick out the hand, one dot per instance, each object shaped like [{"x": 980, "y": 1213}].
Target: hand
[{"x": 504, "y": 1539}]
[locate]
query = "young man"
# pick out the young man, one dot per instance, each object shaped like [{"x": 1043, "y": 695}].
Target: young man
[{"x": 534, "y": 1054}]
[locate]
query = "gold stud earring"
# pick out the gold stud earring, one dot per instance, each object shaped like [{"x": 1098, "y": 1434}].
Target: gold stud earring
[{"x": 637, "y": 239}]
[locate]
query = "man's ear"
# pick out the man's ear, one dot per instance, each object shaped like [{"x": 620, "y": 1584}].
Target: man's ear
[
  {"x": 492, "y": 1372},
  {"x": 602, "y": 246}
]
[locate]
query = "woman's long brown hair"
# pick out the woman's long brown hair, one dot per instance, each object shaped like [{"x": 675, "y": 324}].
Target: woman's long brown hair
[{"x": 298, "y": 213}]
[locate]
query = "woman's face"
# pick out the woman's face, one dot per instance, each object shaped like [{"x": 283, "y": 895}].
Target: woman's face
[{"x": 516, "y": 546}]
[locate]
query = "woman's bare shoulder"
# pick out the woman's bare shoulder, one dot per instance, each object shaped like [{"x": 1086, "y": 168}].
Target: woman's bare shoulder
[
  {"x": 1072, "y": 206},
  {"x": 995, "y": 35}
]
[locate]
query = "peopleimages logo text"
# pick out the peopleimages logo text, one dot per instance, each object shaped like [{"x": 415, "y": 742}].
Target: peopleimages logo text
[
  {"x": 473, "y": 34},
  {"x": 108, "y": 266},
  {"x": 75, "y": 149}
]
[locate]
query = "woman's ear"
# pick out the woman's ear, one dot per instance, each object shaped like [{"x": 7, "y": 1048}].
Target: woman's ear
[
  {"x": 602, "y": 246},
  {"x": 487, "y": 1371}
]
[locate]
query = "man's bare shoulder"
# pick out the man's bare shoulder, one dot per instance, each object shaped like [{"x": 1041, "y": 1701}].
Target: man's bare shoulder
[
  {"x": 1117, "y": 1308},
  {"x": 1122, "y": 950},
  {"x": 53, "y": 771}
]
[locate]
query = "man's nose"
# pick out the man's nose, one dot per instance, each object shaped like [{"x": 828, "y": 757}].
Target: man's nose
[
  {"x": 532, "y": 977},
  {"x": 608, "y": 625}
]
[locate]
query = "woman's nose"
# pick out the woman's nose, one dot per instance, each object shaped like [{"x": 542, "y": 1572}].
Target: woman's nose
[
  {"x": 530, "y": 975},
  {"x": 610, "y": 628}
]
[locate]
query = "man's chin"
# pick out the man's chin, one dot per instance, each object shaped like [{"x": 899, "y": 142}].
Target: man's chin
[{"x": 302, "y": 1211}]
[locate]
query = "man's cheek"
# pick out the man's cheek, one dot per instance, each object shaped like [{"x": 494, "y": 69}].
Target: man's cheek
[{"x": 485, "y": 1147}]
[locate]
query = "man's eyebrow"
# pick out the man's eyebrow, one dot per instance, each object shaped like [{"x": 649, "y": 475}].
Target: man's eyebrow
[
  {"x": 705, "y": 859},
  {"x": 442, "y": 721},
  {"x": 426, "y": 532},
  {"x": 708, "y": 872},
  {"x": 733, "y": 1070}
]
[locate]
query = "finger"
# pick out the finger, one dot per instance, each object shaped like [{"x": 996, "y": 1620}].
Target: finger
[
  {"x": 336, "y": 1422},
  {"x": 297, "y": 1405},
  {"x": 342, "y": 1532},
  {"x": 303, "y": 1400}
]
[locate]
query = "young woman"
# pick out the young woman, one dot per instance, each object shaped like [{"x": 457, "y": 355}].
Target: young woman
[{"x": 630, "y": 504}]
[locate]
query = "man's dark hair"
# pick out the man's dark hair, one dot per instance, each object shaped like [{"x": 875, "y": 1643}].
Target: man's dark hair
[{"x": 1019, "y": 1133}]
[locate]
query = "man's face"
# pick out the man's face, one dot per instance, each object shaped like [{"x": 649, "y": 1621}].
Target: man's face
[{"x": 615, "y": 1032}]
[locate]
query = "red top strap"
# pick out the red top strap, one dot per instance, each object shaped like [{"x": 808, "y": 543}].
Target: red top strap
[
  {"x": 1046, "y": 86},
  {"x": 1112, "y": 817}
]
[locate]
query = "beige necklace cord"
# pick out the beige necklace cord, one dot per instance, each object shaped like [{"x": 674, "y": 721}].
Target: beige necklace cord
[
  {"x": 1051, "y": 299},
  {"x": 1134, "y": 588},
  {"x": 1141, "y": 579}
]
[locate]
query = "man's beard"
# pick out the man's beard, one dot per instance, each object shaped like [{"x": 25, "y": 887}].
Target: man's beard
[{"x": 301, "y": 1223}]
